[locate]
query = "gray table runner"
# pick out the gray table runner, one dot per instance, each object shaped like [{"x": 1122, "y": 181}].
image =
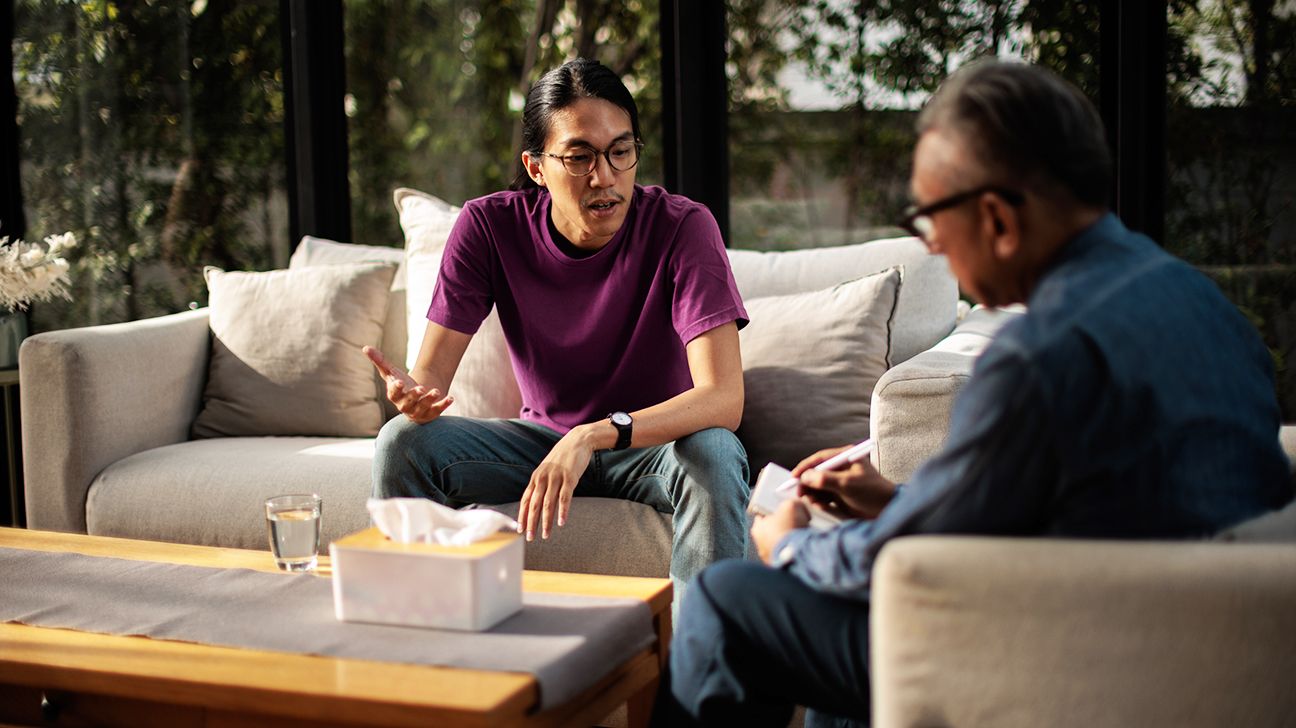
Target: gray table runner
[{"x": 566, "y": 641}]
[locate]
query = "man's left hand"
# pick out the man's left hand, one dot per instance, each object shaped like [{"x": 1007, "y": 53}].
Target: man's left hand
[
  {"x": 767, "y": 531},
  {"x": 548, "y": 495}
]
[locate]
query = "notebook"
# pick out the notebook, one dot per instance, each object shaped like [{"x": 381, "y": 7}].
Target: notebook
[{"x": 766, "y": 497}]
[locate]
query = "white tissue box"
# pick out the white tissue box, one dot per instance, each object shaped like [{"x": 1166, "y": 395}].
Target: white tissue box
[{"x": 470, "y": 587}]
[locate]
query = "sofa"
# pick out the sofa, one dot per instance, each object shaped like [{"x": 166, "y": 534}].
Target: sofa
[{"x": 120, "y": 436}]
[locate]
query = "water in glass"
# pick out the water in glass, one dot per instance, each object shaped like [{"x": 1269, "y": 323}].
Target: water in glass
[{"x": 294, "y": 527}]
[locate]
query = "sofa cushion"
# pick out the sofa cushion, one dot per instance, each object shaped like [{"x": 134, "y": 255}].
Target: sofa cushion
[
  {"x": 285, "y": 355},
  {"x": 211, "y": 492},
  {"x": 312, "y": 251},
  {"x": 484, "y": 385},
  {"x": 603, "y": 536},
  {"x": 925, "y": 311},
  {"x": 810, "y": 362}
]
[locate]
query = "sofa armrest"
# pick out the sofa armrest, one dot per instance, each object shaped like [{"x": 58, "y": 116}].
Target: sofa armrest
[
  {"x": 92, "y": 396},
  {"x": 1032, "y": 632},
  {"x": 910, "y": 413}
]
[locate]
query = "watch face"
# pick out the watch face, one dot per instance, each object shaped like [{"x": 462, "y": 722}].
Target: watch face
[{"x": 620, "y": 419}]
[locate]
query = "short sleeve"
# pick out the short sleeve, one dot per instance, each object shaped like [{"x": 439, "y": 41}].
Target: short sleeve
[
  {"x": 462, "y": 298},
  {"x": 706, "y": 295}
]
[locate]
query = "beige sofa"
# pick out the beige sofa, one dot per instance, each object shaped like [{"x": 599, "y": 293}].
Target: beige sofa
[
  {"x": 108, "y": 410},
  {"x": 1016, "y": 632},
  {"x": 1047, "y": 632}
]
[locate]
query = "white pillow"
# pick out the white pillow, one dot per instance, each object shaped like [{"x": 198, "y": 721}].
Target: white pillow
[
  {"x": 286, "y": 356},
  {"x": 484, "y": 385},
  {"x": 810, "y": 361}
]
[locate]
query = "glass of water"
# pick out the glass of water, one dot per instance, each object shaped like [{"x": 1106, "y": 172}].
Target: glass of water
[{"x": 293, "y": 522}]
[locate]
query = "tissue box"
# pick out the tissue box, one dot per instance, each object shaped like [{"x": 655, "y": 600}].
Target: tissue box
[{"x": 470, "y": 587}]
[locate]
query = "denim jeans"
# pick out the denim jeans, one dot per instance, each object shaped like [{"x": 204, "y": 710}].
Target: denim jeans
[
  {"x": 752, "y": 642},
  {"x": 700, "y": 479}
]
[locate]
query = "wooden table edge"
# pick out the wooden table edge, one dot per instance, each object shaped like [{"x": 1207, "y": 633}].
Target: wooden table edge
[{"x": 512, "y": 700}]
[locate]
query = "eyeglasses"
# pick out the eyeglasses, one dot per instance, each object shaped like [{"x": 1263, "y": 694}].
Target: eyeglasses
[
  {"x": 917, "y": 221},
  {"x": 622, "y": 156}
]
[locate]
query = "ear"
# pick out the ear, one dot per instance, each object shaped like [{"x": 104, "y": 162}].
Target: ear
[
  {"x": 1003, "y": 225},
  {"x": 532, "y": 166}
]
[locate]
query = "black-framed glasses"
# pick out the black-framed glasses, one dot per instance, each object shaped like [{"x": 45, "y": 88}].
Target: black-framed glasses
[
  {"x": 917, "y": 220},
  {"x": 622, "y": 156}
]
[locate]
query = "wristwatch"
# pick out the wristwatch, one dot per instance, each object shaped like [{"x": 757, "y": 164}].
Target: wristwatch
[{"x": 624, "y": 424}]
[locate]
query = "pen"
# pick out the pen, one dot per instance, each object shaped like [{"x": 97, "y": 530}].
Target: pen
[{"x": 853, "y": 454}]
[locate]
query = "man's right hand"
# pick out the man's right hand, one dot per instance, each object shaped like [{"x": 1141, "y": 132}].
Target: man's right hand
[
  {"x": 856, "y": 491},
  {"x": 420, "y": 404}
]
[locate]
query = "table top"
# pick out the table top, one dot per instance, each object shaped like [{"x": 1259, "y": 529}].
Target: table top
[{"x": 303, "y": 686}]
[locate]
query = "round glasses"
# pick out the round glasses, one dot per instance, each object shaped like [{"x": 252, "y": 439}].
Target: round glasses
[{"x": 621, "y": 156}]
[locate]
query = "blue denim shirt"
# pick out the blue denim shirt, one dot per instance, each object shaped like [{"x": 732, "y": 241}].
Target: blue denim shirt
[{"x": 1132, "y": 400}]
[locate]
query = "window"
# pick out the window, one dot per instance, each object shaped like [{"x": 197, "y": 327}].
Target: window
[
  {"x": 154, "y": 131},
  {"x": 1231, "y": 157},
  {"x": 823, "y": 98},
  {"x": 435, "y": 91}
]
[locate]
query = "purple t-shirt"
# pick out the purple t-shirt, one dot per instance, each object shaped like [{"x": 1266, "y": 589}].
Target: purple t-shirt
[{"x": 592, "y": 335}]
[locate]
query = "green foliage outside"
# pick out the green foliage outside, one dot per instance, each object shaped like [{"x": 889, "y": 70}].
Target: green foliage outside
[
  {"x": 153, "y": 129},
  {"x": 435, "y": 91}
]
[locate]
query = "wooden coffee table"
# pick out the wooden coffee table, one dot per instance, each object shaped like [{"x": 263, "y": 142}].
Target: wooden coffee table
[{"x": 94, "y": 679}]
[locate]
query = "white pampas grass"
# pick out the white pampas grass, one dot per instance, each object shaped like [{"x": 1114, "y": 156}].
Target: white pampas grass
[{"x": 32, "y": 272}]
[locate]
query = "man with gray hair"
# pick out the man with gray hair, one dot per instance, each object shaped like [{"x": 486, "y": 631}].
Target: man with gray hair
[{"x": 1132, "y": 400}]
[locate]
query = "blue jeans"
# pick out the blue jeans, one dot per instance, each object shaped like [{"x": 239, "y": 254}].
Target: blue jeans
[
  {"x": 753, "y": 642},
  {"x": 700, "y": 479}
]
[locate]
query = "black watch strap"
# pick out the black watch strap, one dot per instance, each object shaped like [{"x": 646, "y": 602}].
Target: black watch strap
[{"x": 625, "y": 428}]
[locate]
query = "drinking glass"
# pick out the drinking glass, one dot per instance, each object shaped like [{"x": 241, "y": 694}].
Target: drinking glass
[{"x": 293, "y": 523}]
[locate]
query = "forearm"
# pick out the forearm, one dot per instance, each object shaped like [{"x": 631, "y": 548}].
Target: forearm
[
  {"x": 838, "y": 561},
  {"x": 697, "y": 409},
  {"x": 715, "y": 400},
  {"x": 439, "y": 357},
  {"x": 430, "y": 378}
]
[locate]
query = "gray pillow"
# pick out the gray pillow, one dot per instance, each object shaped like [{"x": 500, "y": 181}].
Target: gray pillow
[
  {"x": 810, "y": 361},
  {"x": 286, "y": 356},
  {"x": 313, "y": 251}
]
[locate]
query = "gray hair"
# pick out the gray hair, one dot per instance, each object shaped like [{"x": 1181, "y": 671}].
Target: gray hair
[{"x": 1025, "y": 124}]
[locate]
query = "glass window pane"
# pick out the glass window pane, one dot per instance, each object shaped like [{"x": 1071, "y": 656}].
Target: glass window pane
[
  {"x": 1231, "y": 158},
  {"x": 823, "y": 98},
  {"x": 435, "y": 91},
  {"x": 154, "y": 131}
]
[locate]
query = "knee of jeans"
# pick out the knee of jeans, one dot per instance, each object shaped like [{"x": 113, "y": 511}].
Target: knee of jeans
[
  {"x": 394, "y": 436},
  {"x": 714, "y": 448},
  {"x": 395, "y": 441}
]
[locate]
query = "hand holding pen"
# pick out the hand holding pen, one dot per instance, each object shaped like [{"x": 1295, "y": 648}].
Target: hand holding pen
[
  {"x": 843, "y": 481},
  {"x": 841, "y": 458}
]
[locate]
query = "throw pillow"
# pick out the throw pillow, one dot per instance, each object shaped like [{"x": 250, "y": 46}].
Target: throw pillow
[
  {"x": 810, "y": 361},
  {"x": 928, "y": 302},
  {"x": 484, "y": 385},
  {"x": 286, "y": 354},
  {"x": 312, "y": 251}
]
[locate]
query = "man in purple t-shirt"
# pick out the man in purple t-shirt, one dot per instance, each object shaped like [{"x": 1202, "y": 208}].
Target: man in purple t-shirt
[{"x": 621, "y": 316}]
